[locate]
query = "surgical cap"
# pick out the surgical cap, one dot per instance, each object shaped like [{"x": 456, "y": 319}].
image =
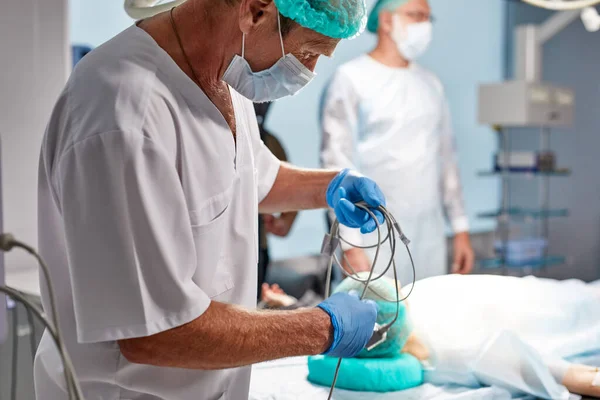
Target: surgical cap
[
  {"x": 383, "y": 292},
  {"x": 339, "y": 19},
  {"x": 382, "y": 5}
]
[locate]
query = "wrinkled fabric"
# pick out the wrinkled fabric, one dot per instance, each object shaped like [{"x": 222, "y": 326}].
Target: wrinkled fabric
[
  {"x": 286, "y": 380},
  {"x": 507, "y": 362},
  {"x": 143, "y": 194},
  {"x": 545, "y": 319},
  {"x": 557, "y": 318},
  {"x": 393, "y": 125}
]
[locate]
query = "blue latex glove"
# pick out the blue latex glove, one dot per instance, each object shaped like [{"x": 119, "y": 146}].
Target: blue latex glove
[
  {"x": 348, "y": 188},
  {"x": 353, "y": 323}
]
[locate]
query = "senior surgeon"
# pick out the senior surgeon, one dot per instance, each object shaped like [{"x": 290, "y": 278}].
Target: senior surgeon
[
  {"x": 151, "y": 176},
  {"x": 387, "y": 116}
]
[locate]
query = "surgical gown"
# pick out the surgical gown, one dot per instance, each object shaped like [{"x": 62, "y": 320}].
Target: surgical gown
[
  {"x": 393, "y": 125},
  {"x": 147, "y": 213}
]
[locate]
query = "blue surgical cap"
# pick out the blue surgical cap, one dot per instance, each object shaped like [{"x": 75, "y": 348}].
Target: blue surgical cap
[
  {"x": 339, "y": 19},
  {"x": 382, "y": 5}
]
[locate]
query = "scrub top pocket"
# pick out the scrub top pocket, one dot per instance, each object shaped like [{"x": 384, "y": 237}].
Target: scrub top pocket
[{"x": 213, "y": 272}]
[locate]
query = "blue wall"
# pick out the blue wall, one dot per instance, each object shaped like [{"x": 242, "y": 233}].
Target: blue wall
[
  {"x": 571, "y": 59},
  {"x": 94, "y": 22},
  {"x": 468, "y": 49}
]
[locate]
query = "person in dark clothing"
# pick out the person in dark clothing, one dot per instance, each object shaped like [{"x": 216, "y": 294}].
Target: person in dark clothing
[{"x": 276, "y": 225}]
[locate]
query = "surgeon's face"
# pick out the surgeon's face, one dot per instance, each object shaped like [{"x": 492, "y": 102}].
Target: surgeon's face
[
  {"x": 308, "y": 46},
  {"x": 258, "y": 19},
  {"x": 412, "y": 12}
]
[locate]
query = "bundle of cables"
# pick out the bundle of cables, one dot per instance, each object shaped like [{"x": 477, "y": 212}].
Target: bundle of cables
[
  {"x": 8, "y": 243},
  {"x": 392, "y": 328}
]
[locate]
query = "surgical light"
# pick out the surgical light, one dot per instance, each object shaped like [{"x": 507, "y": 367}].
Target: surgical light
[
  {"x": 591, "y": 19},
  {"x": 527, "y": 100},
  {"x": 562, "y": 5}
]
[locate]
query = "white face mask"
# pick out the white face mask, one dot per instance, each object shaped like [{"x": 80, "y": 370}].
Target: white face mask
[
  {"x": 285, "y": 78},
  {"x": 412, "y": 40}
]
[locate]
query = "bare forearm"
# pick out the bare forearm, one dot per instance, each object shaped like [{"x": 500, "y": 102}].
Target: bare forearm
[
  {"x": 226, "y": 336},
  {"x": 579, "y": 379},
  {"x": 297, "y": 189},
  {"x": 289, "y": 217}
]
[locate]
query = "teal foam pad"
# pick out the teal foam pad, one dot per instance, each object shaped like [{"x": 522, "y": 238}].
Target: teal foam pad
[{"x": 380, "y": 375}]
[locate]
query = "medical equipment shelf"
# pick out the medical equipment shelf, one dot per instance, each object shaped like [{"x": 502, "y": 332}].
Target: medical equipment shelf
[
  {"x": 498, "y": 262},
  {"x": 557, "y": 173},
  {"x": 535, "y": 221},
  {"x": 524, "y": 214}
]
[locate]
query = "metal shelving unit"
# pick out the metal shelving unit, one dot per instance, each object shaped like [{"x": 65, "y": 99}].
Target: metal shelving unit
[
  {"x": 547, "y": 261},
  {"x": 527, "y": 174},
  {"x": 507, "y": 214},
  {"x": 526, "y": 101},
  {"x": 524, "y": 214}
]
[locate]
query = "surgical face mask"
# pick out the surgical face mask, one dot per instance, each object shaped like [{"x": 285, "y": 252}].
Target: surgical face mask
[
  {"x": 412, "y": 39},
  {"x": 285, "y": 78}
]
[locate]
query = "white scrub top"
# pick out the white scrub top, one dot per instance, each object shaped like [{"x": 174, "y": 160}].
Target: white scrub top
[
  {"x": 393, "y": 125},
  {"x": 147, "y": 213}
]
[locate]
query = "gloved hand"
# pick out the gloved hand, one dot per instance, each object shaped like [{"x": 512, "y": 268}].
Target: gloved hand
[
  {"x": 348, "y": 188},
  {"x": 353, "y": 323}
]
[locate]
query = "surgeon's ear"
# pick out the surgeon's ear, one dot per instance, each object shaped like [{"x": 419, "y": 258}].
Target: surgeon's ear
[
  {"x": 386, "y": 22},
  {"x": 253, "y": 13}
]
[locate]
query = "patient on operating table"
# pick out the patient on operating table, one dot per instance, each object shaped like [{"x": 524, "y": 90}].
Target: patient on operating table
[{"x": 474, "y": 331}]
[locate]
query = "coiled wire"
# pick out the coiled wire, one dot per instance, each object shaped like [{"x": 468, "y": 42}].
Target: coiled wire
[{"x": 333, "y": 239}]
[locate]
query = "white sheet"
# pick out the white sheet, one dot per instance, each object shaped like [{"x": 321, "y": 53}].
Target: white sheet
[
  {"x": 286, "y": 380},
  {"x": 459, "y": 314}
]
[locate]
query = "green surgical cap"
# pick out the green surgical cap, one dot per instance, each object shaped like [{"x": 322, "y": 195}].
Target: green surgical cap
[
  {"x": 382, "y": 5},
  {"x": 339, "y": 19}
]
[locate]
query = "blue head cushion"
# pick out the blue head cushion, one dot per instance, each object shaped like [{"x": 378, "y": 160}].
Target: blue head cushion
[
  {"x": 383, "y": 369},
  {"x": 380, "y": 375}
]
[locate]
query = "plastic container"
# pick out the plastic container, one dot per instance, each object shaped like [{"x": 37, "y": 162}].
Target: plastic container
[{"x": 519, "y": 252}]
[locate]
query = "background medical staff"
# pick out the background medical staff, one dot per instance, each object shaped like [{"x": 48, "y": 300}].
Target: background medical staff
[
  {"x": 151, "y": 175},
  {"x": 387, "y": 117},
  {"x": 278, "y": 225}
]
